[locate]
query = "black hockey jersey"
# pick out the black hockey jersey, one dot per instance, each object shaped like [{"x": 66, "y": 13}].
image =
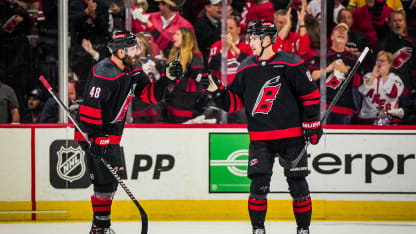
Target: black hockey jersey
[
  {"x": 404, "y": 64},
  {"x": 345, "y": 104},
  {"x": 278, "y": 95},
  {"x": 107, "y": 96}
]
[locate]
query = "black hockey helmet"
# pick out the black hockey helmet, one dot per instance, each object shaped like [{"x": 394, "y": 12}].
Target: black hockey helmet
[
  {"x": 263, "y": 28},
  {"x": 121, "y": 40}
]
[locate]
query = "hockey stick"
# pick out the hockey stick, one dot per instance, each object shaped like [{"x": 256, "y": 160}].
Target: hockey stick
[
  {"x": 294, "y": 163},
  {"x": 107, "y": 165}
]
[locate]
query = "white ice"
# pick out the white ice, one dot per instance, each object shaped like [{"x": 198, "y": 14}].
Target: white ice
[{"x": 272, "y": 227}]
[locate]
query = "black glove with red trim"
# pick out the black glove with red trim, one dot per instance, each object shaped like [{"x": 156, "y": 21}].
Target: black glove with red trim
[
  {"x": 312, "y": 131},
  {"x": 98, "y": 146}
]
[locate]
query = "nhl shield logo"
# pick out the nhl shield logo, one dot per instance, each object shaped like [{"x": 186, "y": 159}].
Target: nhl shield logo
[
  {"x": 68, "y": 165},
  {"x": 71, "y": 164}
]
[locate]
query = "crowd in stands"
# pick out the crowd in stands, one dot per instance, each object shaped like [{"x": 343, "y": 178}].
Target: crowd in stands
[{"x": 382, "y": 91}]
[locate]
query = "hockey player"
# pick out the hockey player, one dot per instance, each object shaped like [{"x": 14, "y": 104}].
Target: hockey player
[
  {"x": 111, "y": 86},
  {"x": 282, "y": 108}
]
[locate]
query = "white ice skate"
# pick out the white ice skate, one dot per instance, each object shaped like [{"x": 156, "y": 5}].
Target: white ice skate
[
  {"x": 97, "y": 230},
  {"x": 259, "y": 231},
  {"x": 303, "y": 231}
]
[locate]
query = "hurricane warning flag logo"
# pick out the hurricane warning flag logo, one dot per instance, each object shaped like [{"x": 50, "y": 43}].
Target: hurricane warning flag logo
[{"x": 71, "y": 164}]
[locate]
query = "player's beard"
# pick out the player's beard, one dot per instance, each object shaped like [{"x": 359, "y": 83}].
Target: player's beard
[{"x": 127, "y": 61}]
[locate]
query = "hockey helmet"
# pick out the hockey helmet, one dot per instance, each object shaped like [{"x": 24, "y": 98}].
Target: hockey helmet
[
  {"x": 262, "y": 28},
  {"x": 121, "y": 40}
]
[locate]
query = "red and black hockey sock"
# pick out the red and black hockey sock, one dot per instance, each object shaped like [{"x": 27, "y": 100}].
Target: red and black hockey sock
[
  {"x": 101, "y": 206},
  {"x": 302, "y": 208},
  {"x": 257, "y": 210}
]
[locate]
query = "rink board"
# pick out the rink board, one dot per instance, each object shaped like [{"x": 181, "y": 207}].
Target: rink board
[{"x": 196, "y": 172}]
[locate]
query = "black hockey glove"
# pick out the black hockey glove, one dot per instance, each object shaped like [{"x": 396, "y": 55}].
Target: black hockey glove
[
  {"x": 210, "y": 83},
  {"x": 173, "y": 70},
  {"x": 312, "y": 131},
  {"x": 135, "y": 69},
  {"x": 98, "y": 146}
]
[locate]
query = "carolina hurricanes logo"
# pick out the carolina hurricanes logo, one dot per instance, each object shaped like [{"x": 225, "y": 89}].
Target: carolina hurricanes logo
[
  {"x": 401, "y": 57},
  {"x": 267, "y": 96}
]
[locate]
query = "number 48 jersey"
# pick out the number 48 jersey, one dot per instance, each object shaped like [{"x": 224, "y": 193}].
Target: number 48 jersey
[
  {"x": 278, "y": 95},
  {"x": 108, "y": 95}
]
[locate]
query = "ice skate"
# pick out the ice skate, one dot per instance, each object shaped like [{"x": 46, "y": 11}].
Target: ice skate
[
  {"x": 259, "y": 231},
  {"x": 97, "y": 230},
  {"x": 303, "y": 231}
]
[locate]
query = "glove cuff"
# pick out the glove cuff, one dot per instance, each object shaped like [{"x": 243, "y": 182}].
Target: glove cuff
[
  {"x": 311, "y": 125},
  {"x": 101, "y": 141}
]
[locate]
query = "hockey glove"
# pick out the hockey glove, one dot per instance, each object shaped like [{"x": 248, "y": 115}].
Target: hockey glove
[
  {"x": 98, "y": 146},
  {"x": 173, "y": 70},
  {"x": 210, "y": 83},
  {"x": 135, "y": 69},
  {"x": 312, "y": 131}
]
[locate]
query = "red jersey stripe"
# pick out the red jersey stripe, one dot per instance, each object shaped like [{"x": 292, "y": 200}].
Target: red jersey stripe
[
  {"x": 314, "y": 95},
  {"x": 90, "y": 111},
  {"x": 91, "y": 121},
  {"x": 275, "y": 134}
]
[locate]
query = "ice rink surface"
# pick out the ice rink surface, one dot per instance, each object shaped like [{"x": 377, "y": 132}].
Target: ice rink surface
[{"x": 272, "y": 227}]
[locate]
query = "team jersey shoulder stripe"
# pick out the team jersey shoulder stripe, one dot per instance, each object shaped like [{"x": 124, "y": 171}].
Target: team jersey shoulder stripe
[
  {"x": 289, "y": 64},
  {"x": 247, "y": 66},
  {"x": 107, "y": 78}
]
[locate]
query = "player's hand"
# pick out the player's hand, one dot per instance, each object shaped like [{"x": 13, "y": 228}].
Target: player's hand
[
  {"x": 98, "y": 146},
  {"x": 312, "y": 131},
  {"x": 173, "y": 70},
  {"x": 210, "y": 83}
]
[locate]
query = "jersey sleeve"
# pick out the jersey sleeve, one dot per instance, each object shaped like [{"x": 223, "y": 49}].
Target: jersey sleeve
[
  {"x": 149, "y": 92},
  {"x": 96, "y": 95},
  {"x": 306, "y": 90},
  {"x": 230, "y": 98}
]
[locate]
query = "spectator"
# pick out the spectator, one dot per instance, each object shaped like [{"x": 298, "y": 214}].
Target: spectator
[
  {"x": 208, "y": 28},
  {"x": 236, "y": 51},
  {"x": 289, "y": 41},
  {"x": 167, "y": 20},
  {"x": 89, "y": 21},
  {"x": 339, "y": 61},
  {"x": 184, "y": 101},
  {"x": 136, "y": 26},
  {"x": 50, "y": 112},
  {"x": 117, "y": 15},
  {"x": 16, "y": 68},
  {"x": 357, "y": 40},
  {"x": 312, "y": 26},
  {"x": 410, "y": 9},
  {"x": 394, "y": 4},
  {"x": 403, "y": 50},
  {"x": 47, "y": 45},
  {"x": 372, "y": 20},
  {"x": 34, "y": 106},
  {"x": 315, "y": 9},
  {"x": 261, "y": 10},
  {"x": 142, "y": 112},
  {"x": 381, "y": 90},
  {"x": 9, "y": 107}
]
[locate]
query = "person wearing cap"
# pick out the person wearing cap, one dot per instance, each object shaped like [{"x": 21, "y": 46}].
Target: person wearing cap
[
  {"x": 111, "y": 86},
  {"x": 339, "y": 61},
  {"x": 167, "y": 20},
  {"x": 34, "y": 106},
  {"x": 208, "y": 27}
]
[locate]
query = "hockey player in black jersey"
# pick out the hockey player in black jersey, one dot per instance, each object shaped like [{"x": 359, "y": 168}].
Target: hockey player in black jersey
[
  {"x": 282, "y": 108},
  {"x": 111, "y": 85}
]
